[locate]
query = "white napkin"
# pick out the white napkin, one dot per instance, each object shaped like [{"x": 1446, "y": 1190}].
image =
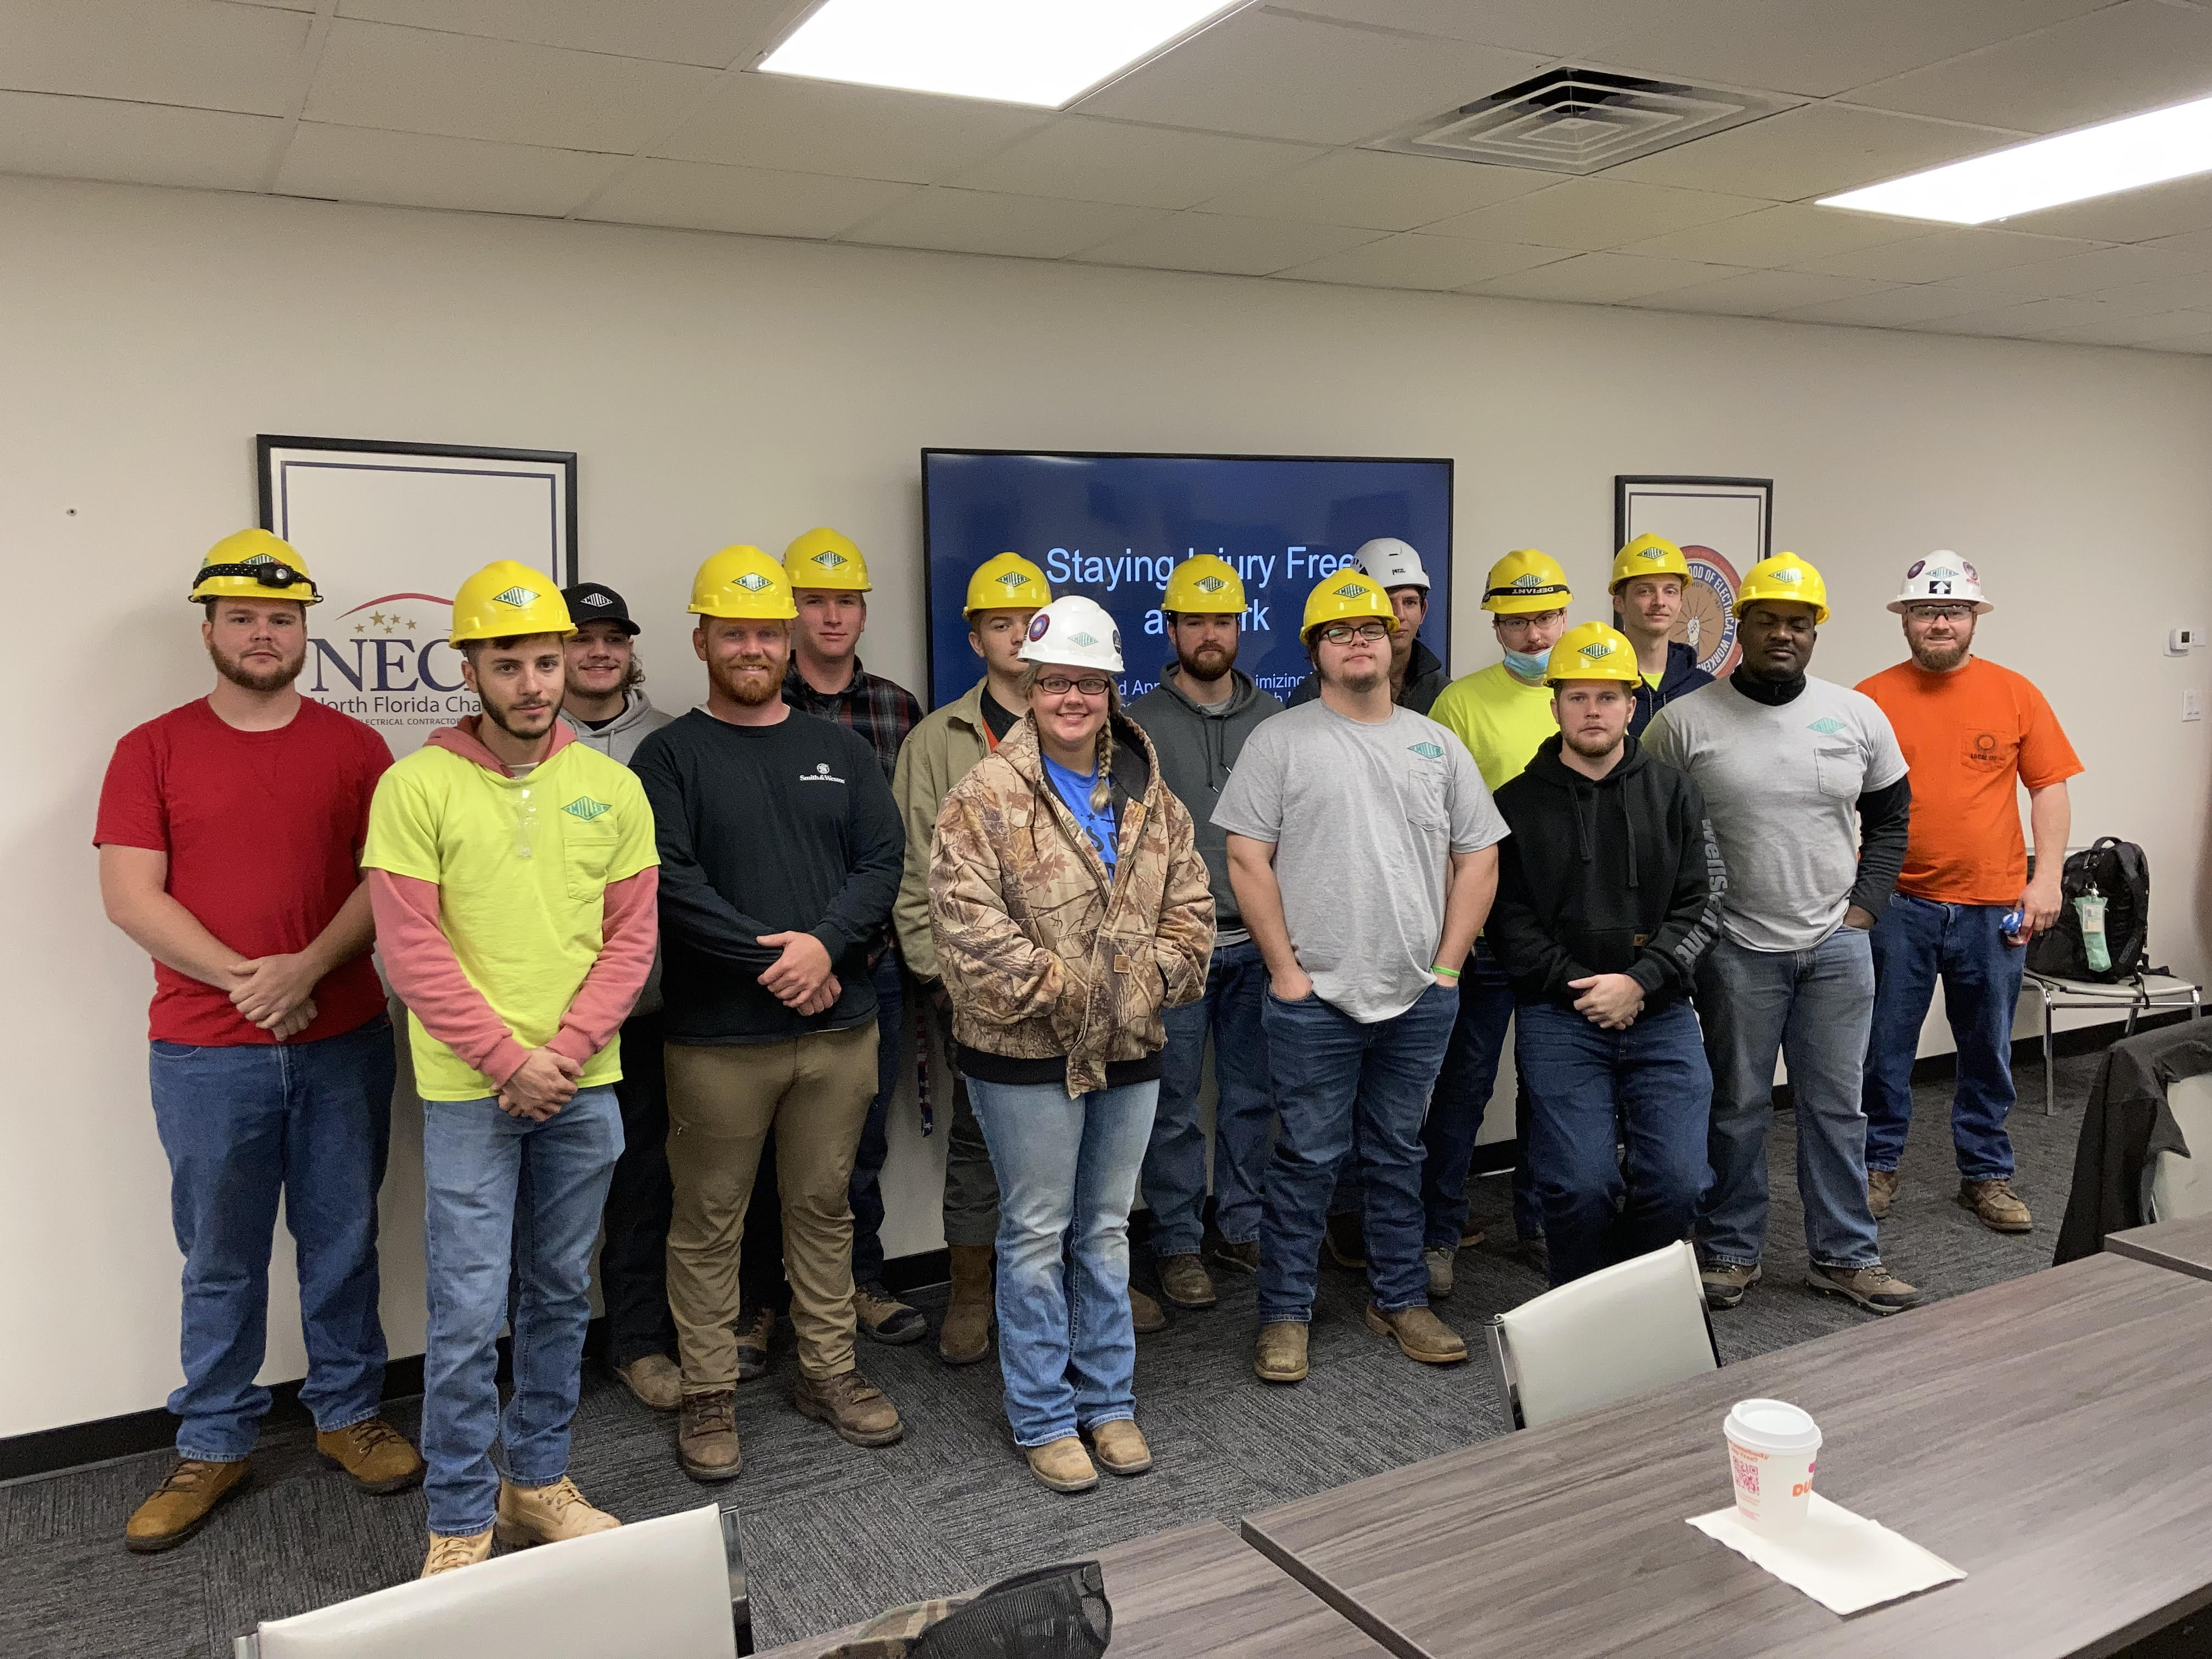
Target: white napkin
[{"x": 1843, "y": 1561}]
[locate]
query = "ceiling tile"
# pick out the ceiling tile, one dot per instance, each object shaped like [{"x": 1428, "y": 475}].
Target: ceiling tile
[
  {"x": 140, "y": 143},
  {"x": 1954, "y": 253},
  {"x": 1763, "y": 292},
  {"x": 2134, "y": 330},
  {"x": 203, "y": 54},
  {"x": 1779, "y": 236},
  {"x": 694, "y": 195},
  {"x": 1094, "y": 160},
  {"x": 2035, "y": 317},
  {"x": 414, "y": 169},
  {"x": 2085, "y": 273},
  {"x": 1816, "y": 150},
  {"x": 1603, "y": 279},
  {"x": 1381, "y": 190},
  {"x": 1895, "y": 307},
  {"x": 981, "y": 222},
  {"x": 2192, "y": 342},
  {"x": 1219, "y": 242},
  {"x": 1433, "y": 262},
  {"x": 2183, "y": 206},
  {"x": 2116, "y": 61},
  {"x": 1595, "y": 213},
  {"x": 2177, "y": 293},
  {"x": 373, "y": 74},
  {"x": 1555, "y": 29},
  {"x": 1278, "y": 76},
  {"x": 716, "y": 32},
  {"x": 860, "y": 132}
]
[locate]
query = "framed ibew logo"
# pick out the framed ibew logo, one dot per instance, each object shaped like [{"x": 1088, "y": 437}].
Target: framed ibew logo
[{"x": 1723, "y": 526}]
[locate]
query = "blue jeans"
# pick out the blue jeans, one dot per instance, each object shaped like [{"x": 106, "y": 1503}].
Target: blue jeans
[
  {"x": 1462, "y": 1096},
  {"x": 1336, "y": 1080},
  {"x": 867, "y": 1190},
  {"x": 1590, "y": 1092},
  {"x": 242, "y": 1124},
  {"x": 1812, "y": 1007},
  {"x": 493, "y": 1184},
  {"x": 1067, "y": 1175},
  {"x": 1916, "y": 941},
  {"x": 1244, "y": 1106}
]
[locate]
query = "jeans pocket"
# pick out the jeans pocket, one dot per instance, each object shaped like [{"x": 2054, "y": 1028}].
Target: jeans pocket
[{"x": 164, "y": 1049}]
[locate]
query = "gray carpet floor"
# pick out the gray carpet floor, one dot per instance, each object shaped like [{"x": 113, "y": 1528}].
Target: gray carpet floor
[{"x": 833, "y": 1533}]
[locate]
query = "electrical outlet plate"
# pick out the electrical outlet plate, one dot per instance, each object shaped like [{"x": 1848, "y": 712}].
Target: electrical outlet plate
[{"x": 2192, "y": 705}]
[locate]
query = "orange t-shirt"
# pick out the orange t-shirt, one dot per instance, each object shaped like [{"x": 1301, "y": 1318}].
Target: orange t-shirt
[{"x": 1970, "y": 737}]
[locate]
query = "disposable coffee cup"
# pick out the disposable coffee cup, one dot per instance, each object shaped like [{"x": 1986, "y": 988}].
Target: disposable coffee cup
[{"x": 1771, "y": 1445}]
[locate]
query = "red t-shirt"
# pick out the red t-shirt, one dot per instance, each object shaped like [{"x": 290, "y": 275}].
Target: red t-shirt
[{"x": 263, "y": 829}]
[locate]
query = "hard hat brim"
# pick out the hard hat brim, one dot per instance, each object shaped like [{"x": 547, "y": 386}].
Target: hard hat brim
[{"x": 1899, "y": 607}]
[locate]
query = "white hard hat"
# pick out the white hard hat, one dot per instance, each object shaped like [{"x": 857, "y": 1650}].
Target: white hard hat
[
  {"x": 1942, "y": 575},
  {"x": 1393, "y": 563},
  {"x": 1074, "y": 633}
]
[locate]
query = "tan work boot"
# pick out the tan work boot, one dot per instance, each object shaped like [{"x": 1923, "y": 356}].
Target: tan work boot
[
  {"x": 707, "y": 1435},
  {"x": 655, "y": 1380},
  {"x": 1149, "y": 1318},
  {"x": 180, "y": 1506},
  {"x": 1419, "y": 1334},
  {"x": 884, "y": 1318},
  {"x": 1882, "y": 1192},
  {"x": 966, "y": 1336},
  {"x": 756, "y": 1338},
  {"x": 1185, "y": 1282},
  {"x": 1062, "y": 1464},
  {"x": 465, "y": 1550},
  {"x": 849, "y": 1403},
  {"x": 1438, "y": 1259},
  {"x": 546, "y": 1515},
  {"x": 376, "y": 1455},
  {"x": 1997, "y": 1204},
  {"x": 1725, "y": 1282},
  {"x": 1280, "y": 1355},
  {"x": 1876, "y": 1289},
  {"x": 1120, "y": 1448}
]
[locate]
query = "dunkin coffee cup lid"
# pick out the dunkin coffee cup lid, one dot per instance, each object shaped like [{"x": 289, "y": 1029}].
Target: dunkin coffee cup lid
[{"x": 1772, "y": 1425}]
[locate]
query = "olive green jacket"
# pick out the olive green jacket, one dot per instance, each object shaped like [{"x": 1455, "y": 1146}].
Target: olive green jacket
[{"x": 935, "y": 755}]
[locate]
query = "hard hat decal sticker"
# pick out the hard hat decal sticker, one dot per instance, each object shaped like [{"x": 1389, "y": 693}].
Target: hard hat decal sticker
[
  {"x": 586, "y": 808},
  {"x": 1349, "y": 591},
  {"x": 1038, "y": 624},
  {"x": 1918, "y": 565},
  {"x": 1428, "y": 751},
  {"x": 1083, "y": 639},
  {"x": 828, "y": 558},
  {"x": 258, "y": 558},
  {"x": 517, "y": 597},
  {"x": 1827, "y": 726},
  {"x": 1598, "y": 648},
  {"x": 752, "y": 581},
  {"x": 1012, "y": 579},
  {"x": 1209, "y": 584}
]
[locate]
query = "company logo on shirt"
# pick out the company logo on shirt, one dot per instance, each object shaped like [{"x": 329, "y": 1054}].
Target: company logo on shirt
[
  {"x": 821, "y": 774},
  {"x": 517, "y": 597},
  {"x": 830, "y": 558},
  {"x": 752, "y": 581},
  {"x": 586, "y": 808},
  {"x": 1428, "y": 751},
  {"x": 1827, "y": 726}
]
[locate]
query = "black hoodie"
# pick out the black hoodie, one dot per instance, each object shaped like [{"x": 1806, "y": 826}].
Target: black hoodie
[
  {"x": 1680, "y": 677},
  {"x": 1616, "y": 875}
]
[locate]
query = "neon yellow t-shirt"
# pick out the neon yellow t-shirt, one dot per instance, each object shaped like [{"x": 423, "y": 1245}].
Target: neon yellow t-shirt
[
  {"x": 1652, "y": 680},
  {"x": 1500, "y": 721},
  {"x": 524, "y": 928}
]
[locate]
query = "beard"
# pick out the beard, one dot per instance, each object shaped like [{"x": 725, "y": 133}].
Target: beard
[
  {"x": 1592, "y": 747},
  {"x": 751, "y": 694},
  {"x": 508, "y": 719},
  {"x": 1360, "y": 682},
  {"x": 1208, "y": 663},
  {"x": 257, "y": 679},
  {"x": 1942, "y": 659}
]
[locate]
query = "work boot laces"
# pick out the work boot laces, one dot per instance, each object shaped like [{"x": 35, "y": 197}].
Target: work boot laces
[
  {"x": 850, "y": 1389},
  {"x": 190, "y": 1474},
  {"x": 710, "y": 1413},
  {"x": 372, "y": 1436},
  {"x": 444, "y": 1549},
  {"x": 560, "y": 1497}
]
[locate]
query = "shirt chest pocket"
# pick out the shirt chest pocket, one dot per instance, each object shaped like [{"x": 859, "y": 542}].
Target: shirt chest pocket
[
  {"x": 1839, "y": 772},
  {"x": 587, "y": 852},
  {"x": 1423, "y": 795},
  {"x": 1991, "y": 751}
]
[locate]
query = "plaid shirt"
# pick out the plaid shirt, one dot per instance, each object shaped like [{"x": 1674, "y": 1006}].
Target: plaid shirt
[{"x": 878, "y": 709}]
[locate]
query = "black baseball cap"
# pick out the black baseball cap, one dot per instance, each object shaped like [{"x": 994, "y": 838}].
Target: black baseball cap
[{"x": 590, "y": 602}]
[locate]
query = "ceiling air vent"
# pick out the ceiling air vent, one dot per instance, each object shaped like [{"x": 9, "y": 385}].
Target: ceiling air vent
[{"x": 1579, "y": 121}]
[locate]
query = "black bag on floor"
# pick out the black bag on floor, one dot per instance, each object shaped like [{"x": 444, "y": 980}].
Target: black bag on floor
[
  {"x": 1051, "y": 1612},
  {"x": 2116, "y": 872}
]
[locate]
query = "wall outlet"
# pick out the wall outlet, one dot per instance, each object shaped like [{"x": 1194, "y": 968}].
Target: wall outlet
[{"x": 2192, "y": 705}]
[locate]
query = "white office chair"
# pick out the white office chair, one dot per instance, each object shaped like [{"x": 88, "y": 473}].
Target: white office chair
[
  {"x": 2143, "y": 994},
  {"x": 2180, "y": 1185},
  {"x": 1634, "y": 1325},
  {"x": 673, "y": 1587}
]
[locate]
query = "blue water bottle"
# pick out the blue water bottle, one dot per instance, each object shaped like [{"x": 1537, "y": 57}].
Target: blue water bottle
[{"x": 2013, "y": 921}]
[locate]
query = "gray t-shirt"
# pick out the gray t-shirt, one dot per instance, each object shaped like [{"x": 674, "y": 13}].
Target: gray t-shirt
[
  {"x": 1782, "y": 786},
  {"x": 1362, "y": 819}
]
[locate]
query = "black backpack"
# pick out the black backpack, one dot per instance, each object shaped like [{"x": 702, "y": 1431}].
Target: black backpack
[{"x": 2117, "y": 871}]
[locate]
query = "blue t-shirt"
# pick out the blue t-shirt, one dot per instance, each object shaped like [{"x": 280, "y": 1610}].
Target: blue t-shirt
[{"x": 1074, "y": 789}]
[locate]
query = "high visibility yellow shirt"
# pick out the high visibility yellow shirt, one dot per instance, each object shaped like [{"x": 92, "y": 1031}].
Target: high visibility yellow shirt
[{"x": 1500, "y": 719}]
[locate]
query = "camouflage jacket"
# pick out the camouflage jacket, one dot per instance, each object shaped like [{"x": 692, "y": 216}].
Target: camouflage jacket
[{"x": 1044, "y": 952}]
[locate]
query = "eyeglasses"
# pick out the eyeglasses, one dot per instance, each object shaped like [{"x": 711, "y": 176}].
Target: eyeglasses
[
  {"x": 1521, "y": 624},
  {"x": 1344, "y": 633},
  {"x": 1059, "y": 686},
  {"x": 1950, "y": 613}
]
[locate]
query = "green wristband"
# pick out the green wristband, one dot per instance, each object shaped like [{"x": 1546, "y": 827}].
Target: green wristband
[{"x": 1444, "y": 973}]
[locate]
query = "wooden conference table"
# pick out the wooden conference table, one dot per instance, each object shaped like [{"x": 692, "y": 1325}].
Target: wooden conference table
[
  {"x": 2051, "y": 1436},
  {"x": 2183, "y": 1246}
]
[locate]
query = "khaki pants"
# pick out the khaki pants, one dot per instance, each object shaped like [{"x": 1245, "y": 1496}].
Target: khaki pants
[{"x": 723, "y": 1102}]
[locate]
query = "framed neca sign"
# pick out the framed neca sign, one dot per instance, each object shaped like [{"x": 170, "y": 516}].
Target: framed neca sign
[
  {"x": 1723, "y": 526},
  {"x": 388, "y": 530}
]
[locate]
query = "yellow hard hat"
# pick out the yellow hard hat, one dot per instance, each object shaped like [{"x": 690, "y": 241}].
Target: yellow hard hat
[
  {"x": 1525, "y": 580},
  {"x": 1593, "y": 651},
  {"x": 1008, "y": 582},
  {"x": 508, "y": 600},
  {"x": 1784, "y": 576},
  {"x": 1648, "y": 556},
  {"x": 254, "y": 565},
  {"x": 1345, "y": 597},
  {"x": 743, "y": 581},
  {"x": 1204, "y": 582},
  {"x": 823, "y": 558}
]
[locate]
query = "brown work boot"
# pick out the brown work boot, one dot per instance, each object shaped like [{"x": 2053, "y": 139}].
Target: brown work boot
[
  {"x": 861, "y": 1413},
  {"x": 1280, "y": 1354},
  {"x": 1120, "y": 1448},
  {"x": 655, "y": 1380},
  {"x": 1438, "y": 1259},
  {"x": 707, "y": 1435},
  {"x": 546, "y": 1515},
  {"x": 1419, "y": 1334},
  {"x": 1997, "y": 1204},
  {"x": 756, "y": 1338},
  {"x": 1875, "y": 1288},
  {"x": 1347, "y": 1241},
  {"x": 465, "y": 1550},
  {"x": 1062, "y": 1464},
  {"x": 1185, "y": 1282},
  {"x": 1726, "y": 1282},
  {"x": 1148, "y": 1318},
  {"x": 1235, "y": 1258},
  {"x": 376, "y": 1455},
  {"x": 181, "y": 1503},
  {"x": 884, "y": 1318},
  {"x": 966, "y": 1336},
  {"x": 1882, "y": 1192}
]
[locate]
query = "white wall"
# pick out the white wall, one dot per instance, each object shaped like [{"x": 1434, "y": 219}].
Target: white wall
[{"x": 721, "y": 389}]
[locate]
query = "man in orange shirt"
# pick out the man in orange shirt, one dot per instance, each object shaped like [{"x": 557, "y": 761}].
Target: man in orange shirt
[{"x": 1972, "y": 733}]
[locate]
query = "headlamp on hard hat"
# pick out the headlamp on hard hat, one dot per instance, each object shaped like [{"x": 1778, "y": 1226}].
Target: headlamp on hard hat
[{"x": 268, "y": 573}]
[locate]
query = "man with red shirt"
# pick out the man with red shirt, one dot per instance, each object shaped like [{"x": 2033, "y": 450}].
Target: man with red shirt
[
  {"x": 1973, "y": 734},
  {"x": 229, "y": 834}
]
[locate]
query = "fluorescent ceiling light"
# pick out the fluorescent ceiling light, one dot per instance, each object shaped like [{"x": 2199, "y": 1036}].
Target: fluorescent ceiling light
[
  {"x": 1016, "y": 52},
  {"x": 2123, "y": 155}
]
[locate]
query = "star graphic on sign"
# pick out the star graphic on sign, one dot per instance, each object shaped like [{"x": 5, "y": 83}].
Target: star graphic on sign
[{"x": 378, "y": 617}]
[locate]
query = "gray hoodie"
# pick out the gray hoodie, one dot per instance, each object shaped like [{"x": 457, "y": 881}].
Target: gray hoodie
[
  {"x": 1197, "y": 744},
  {"x": 618, "y": 740}
]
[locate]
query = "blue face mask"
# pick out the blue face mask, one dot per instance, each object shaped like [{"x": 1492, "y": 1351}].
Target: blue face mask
[{"x": 1528, "y": 665}]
